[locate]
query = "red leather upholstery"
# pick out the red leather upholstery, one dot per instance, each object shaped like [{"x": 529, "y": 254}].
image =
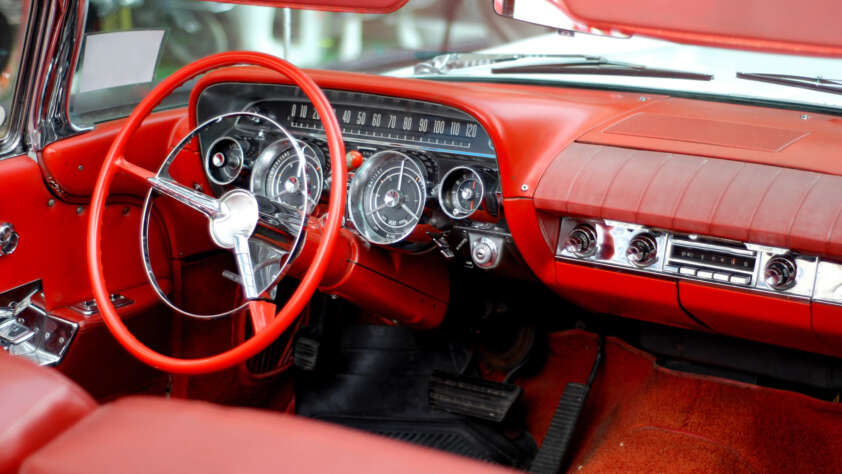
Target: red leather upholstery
[
  {"x": 36, "y": 404},
  {"x": 147, "y": 435}
]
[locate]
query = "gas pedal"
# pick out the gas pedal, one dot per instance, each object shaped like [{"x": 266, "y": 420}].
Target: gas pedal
[{"x": 551, "y": 454}]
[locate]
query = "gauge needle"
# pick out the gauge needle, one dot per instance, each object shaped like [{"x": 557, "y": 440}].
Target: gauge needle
[
  {"x": 400, "y": 175},
  {"x": 376, "y": 209},
  {"x": 407, "y": 209}
]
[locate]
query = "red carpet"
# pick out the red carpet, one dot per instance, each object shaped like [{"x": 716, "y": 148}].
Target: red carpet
[{"x": 643, "y": 418}]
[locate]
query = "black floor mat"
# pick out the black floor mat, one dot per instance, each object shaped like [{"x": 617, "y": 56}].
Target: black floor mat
[{"x": 377, "y": 380}]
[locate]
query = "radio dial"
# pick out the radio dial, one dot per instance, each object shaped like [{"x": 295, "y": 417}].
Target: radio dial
[
  {"x": 780, "y": 273},
  {"x": 642, "y": 250},
  {"x": 582, "y": 241}
]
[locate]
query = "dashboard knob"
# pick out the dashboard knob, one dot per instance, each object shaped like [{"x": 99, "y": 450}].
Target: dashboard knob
[
  {"x": 780, "y": 272},
  {"x": 484, "y": 253},
  {"x": 354, "y": 159},
  {"x": 642, "y": 250},
  {"x": 582, "y": 241}
]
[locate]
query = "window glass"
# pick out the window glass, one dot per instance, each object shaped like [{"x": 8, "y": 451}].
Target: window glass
[
  {"x": 316, "y": 39},
  {"x": 12, "y": 25}
]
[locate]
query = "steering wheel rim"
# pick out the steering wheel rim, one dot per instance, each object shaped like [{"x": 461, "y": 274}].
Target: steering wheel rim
[{"x": 115, "y": 162}]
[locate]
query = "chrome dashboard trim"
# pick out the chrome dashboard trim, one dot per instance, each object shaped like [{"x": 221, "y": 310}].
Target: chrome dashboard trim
[
  {"x": 206, "y": 158},
  {"x": 816, "y": 279},
  {"x": 403, "y": 146},
  {"x": 440, "y": 186}
]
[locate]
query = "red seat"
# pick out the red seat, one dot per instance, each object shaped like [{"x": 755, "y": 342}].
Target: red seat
[
  {"x": 36, "y": 404},
  {"x": 54, "y": 427},
  {"x": 143, "y": 434}
]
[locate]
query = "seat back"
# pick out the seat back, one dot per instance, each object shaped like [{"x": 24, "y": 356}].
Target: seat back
[{"x": 36, "y": 404}]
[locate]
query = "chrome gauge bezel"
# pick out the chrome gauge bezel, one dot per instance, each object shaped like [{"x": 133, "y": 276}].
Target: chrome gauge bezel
[
  {"x": 362, "y": 193},
  {"x": 444, "y": 190},
  {"x": 207, "y": 161},
  {"x": 270, "y": 155}
]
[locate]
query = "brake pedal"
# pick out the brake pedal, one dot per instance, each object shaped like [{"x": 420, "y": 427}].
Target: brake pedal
[{"x": 472, "y": 397}]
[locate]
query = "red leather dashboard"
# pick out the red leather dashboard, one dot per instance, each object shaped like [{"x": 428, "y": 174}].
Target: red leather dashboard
[{"x": 758, "y": 174}]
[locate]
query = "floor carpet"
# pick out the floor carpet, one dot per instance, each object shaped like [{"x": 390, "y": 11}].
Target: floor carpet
[{"x": 640, "y": 417}]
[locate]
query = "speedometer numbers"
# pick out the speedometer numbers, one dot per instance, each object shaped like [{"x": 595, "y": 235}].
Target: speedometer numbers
[
  {"x": 387, "y": 196},
  {"x": 461, "y": 192}
]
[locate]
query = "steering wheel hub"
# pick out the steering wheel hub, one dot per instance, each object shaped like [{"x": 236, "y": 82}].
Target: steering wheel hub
[{"x": 237, "y": 217}]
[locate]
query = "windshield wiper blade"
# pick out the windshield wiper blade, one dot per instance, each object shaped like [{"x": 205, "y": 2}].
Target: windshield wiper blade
[
  {"x": 445, "y": 63},
  {"x": 818, "y": 83},
  {"x": 601, "y": 66}
]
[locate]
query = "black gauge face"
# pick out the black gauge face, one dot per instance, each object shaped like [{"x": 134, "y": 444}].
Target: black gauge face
[
  {"x": 466, "y": 195},
  {"x": 279, "y": 175},
  {"x": 224, "y": 160},
  {"x": 284, "y": 180},
  {"x": 461, "y": 192},
  {"x": 387, "y": 197}
]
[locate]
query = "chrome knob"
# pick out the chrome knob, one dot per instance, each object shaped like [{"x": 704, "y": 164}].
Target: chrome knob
[
  {"x": 642, "y": 250},
  {"x": 484, "y": 253},
  {"x": 582, "y": 241},
  {"x": 780, "y": 272},
  {"x": 8, "y": 238}
]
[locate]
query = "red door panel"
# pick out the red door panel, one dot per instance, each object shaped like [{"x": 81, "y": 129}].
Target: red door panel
[{"x": 52, "y": 235}]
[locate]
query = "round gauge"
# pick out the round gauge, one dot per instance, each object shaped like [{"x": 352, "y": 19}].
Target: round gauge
[
  {"x": 224, "y": 160},
  {"x": 386, "y": 197},
  {"x": 278, "y": 176},
  {"x": 461, "y": 192}
]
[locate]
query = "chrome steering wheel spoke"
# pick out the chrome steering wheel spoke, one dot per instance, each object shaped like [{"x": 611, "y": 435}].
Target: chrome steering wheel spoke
[
  {"x": 245, "y": 267},
  {"x": 199, "y": 201}
]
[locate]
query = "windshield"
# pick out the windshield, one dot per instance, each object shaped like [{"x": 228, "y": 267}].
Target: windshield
[{"x": 394, "y": 44}]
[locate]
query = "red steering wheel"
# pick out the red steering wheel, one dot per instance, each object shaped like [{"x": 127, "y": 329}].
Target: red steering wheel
[{"x": 260, "y": 310}]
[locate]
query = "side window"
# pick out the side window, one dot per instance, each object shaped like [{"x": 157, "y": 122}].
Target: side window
[{"x": 13, "y": 16}]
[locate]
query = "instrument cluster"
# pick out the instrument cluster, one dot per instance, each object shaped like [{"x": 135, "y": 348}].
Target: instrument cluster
[{"x": 420, "y": 164}]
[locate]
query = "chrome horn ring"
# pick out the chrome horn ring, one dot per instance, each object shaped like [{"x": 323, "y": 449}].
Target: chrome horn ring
[{"x": 232, "y": 221}]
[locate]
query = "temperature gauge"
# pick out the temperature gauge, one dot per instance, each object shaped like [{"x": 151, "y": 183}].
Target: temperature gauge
[
  {"x": 224, "y": 160},
  {"x": 461, "y": 192}
]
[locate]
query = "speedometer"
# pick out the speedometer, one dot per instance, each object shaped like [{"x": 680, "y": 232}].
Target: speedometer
[
  {"x": 277, "y": 175},
  {"x": 387, "y": 196}
]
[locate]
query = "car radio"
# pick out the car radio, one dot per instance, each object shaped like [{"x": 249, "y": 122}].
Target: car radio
[{"x": 695, "y": 257}]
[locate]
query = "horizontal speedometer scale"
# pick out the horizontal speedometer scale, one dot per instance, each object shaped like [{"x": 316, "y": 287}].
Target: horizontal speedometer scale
[{"x": 360, "y": 115}]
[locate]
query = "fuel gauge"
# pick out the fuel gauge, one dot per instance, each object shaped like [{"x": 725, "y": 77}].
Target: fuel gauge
[{"x": 461, "y": 192}]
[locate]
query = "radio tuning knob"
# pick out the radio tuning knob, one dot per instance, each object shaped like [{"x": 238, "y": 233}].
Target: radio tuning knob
[
  {"x": 642, "y": 250},
  {"x": 582, "y": 241},
  {"x": 780, "y": 272}
]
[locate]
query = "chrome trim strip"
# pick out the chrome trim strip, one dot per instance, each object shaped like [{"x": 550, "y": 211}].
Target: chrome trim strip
[
  {"x": 817, "y": 280},
  {"x": 23, "y": 98},
  {"x": 714, "y": 247}
]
